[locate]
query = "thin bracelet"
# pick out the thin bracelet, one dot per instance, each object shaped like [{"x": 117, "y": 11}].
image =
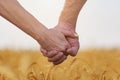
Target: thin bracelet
[{"x": 76, "y": 35}]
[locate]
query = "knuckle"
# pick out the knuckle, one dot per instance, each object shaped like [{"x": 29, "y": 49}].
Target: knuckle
[
  {"x": 73, "y": 54},
  {"x": 60, "y": 53},
  {"x": 49, "y": 60},
  {"x": 63, "y": 48},
  {"x": 65, "y": 58},
  {"x": 67, "y": 45}
]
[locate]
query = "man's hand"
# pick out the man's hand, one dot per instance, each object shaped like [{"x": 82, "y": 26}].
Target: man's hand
[{"x": 73, "y": 40}]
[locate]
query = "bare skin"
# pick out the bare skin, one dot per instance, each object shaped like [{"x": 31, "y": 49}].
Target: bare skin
[
  {"x": 48, "y": 39},
  {"x": 67, "y": 25},
  {"x": 55, "y": 46}
]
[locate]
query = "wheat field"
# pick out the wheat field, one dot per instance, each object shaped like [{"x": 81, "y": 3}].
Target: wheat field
[{"x": 90, "y": 64}]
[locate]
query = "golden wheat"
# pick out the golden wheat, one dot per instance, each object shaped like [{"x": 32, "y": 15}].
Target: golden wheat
[{"x": 94, "y": 64}]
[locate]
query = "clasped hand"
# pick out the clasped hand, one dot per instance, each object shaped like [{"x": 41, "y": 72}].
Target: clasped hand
[{"x": 61, "y": 43}]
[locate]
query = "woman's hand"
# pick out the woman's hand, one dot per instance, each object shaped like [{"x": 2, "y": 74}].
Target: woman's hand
[
  {"x": 54, "y": 40},
  {"x": 54, "y": 56}
]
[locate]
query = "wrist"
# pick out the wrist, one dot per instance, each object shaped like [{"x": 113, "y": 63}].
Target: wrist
[
  {"x": 40, "y": 34},
  {"x": 67, "y": 26}
]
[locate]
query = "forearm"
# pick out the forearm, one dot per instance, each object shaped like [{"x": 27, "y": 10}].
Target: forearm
[
  {"x": 71, "y": 11},
  {"x": 13, "y": 12}
]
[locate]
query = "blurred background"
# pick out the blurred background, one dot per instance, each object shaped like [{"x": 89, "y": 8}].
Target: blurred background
[{"x": 98, "y": 24}]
